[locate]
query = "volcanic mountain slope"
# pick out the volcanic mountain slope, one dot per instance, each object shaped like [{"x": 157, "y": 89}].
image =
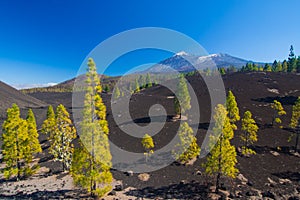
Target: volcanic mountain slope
[
  {"x": 273, "y": 171},
  {"x": 9, "y": 95}
]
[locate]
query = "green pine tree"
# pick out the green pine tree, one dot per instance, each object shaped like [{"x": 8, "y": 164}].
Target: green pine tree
[
  {"x": 136, "y": 86},
  {"x": 183, "y": 100},
  {"x": 91, "y": 167},
  {"x": 148, "y": 81},
  {"x": 15, "y": 146},
  {"x": 188, "y": 148},
  {"x": 249, "y": 135},
  {"x": 49, "y": 124},
  {"x": 295, "y": 122},
  {"x": 61, "y": 139},
  {"x": 233, "y": 110},
  {"x": 222, "y": 158}
]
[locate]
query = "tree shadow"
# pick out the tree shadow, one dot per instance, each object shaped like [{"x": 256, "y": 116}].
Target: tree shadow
[
  {"x": 147, "y": 120},
  {"x": 286, "y": 100},
  {"x": 203, "y": 126},
  {"x": 293, "y": 176},
  {"x": 193, "y": 190},
  {"x": 66, "y": 194},
  {"x": 266, "y": 149}
]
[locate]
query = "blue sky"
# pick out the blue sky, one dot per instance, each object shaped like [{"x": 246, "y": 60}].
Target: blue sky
[{"x": 46, "y": 41}]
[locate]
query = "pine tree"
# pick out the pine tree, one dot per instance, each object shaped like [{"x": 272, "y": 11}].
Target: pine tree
[
  {"x": 267, "y": 67},
  {"x": 278, "y": 111},
  {"x": 32, "y": 142},
  {"x": 62, "y": 137},
  {"x": 49, "y": 124},
  {"x": 278, "y": 67},
  {"x": 148, "y": 81},
  {"x": 136, "y": 86},
  {"x": 116, "y": 93},
  {"x": 249, "y": 135},
  {"x": 142, "y": 81},
  {"x": 292, "y": 60},
  {"x": 91, "y": 167},
  {"x": 148, "y": 145},
  {"x": 188, "y": 148},
  {"x": 183, "y": 100},
  {"x": 222, "y": 158},
  {"x": 233, "y": 110},
  {"x": 15, "y": 143},
  {"x": 295, "y": 121},
  {"x": 298, "y": 65},
  {"x": 284, "y": 66},
  {"x": 33, "y": 136}
]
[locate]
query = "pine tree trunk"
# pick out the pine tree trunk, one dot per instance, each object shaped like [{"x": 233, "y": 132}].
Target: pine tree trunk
[
  {"x": 18, "y": 160},
  {"x": 218, "y": 182},
  {"x": 297, "y": 139},
  {"x": 219, "y": 167}
]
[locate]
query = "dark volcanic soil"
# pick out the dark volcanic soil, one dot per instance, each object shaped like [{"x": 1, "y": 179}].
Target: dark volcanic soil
[{"x": 254, "y": 91}]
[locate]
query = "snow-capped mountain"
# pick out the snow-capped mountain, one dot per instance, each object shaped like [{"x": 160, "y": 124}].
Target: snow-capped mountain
[{"x": 184, "y": 62}]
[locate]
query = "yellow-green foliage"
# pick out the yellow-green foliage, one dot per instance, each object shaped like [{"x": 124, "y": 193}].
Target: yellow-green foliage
[
  {"x": 91, "y": 167},
  {"x": 116, "y": 93},
  {"x": 295, "y": 121},
  {"x": 222, "y": 158},
  {"x": 16, "y": 145},
  {"x": 249, "y": 135},
  {"x": 278, "y": 111},
  {"x": 188, "y": 148},
  {"x": 147, "y": 142},
  {"x": 183, "y": 101},
  {"x": 33, "y": 136},
  {"x": 136, "y": 86},
  {"x": 148, "y": 145},
  {"x": 148, "y": 81},
  {"x": 49, "y": 124},
  {"x": 295, "y": 114},
  {"x": 233, "y": 110}
]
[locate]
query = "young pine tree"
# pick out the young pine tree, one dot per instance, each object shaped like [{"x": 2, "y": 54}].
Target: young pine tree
[
  {"x": 15, "y": 143},
  {"x": 117, "y": 93},
  {"x": 183, "y": 101},
  {"x": 222, "y": 158},
  {"x": 91, "y": 164},
  {"x": 295, "y": 121},
  {"x": 232, "y": 109},
  {"x": 33, "y": 136},
  {"x": 148, "y": 81},
  {"x": 136, "y": 86},
  {"x": 32, "y": 142},
  {"x": 62, "y": 137},
  {"x": 278, "y": 111},
  {"x": 249, "y": 135},
  {"x": 188, "y": 148},
  {"x": 49, "y": 124},
  {"x": 148, "y": 145}
]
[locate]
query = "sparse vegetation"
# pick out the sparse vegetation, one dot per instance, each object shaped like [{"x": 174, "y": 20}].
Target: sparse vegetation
[
  {"x": 278, "y": 111},
  {"x": 91, "y": 164},
  {"x": 249, "y": 135},
  {"x": 148, "y": 145},
  {"x": 222, "y": 158},
  {"x": 188, "y": 148}
]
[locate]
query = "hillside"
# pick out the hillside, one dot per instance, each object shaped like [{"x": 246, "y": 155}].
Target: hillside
[
  {"x": 9, "y": 95},
  {"x": 272, "y": 172}
]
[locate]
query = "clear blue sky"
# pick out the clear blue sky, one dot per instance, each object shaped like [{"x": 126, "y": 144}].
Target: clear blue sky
[{"x": 44, "y": 41}]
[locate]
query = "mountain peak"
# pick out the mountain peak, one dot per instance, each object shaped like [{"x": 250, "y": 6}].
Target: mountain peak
[{"x": 182, "y": 53}]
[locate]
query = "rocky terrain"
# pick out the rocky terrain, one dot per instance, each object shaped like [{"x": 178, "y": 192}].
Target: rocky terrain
[{"x": 273, "y": 173}]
